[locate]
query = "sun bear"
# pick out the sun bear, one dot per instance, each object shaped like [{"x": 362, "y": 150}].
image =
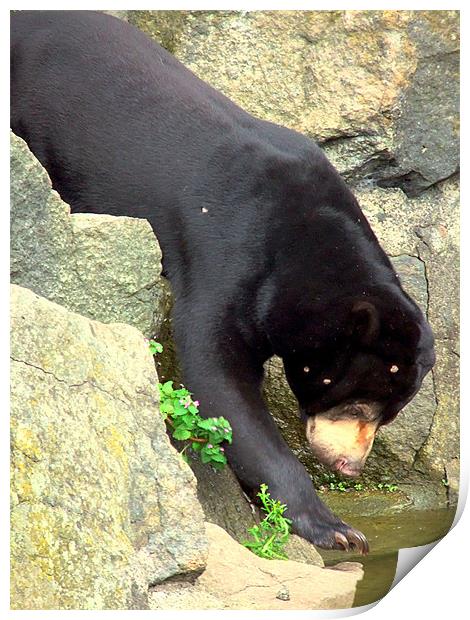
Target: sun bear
[{"x": 266, "y": 249}]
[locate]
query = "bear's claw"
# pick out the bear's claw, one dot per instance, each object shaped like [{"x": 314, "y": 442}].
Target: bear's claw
[
  {"x": 352, "y": 540},
  {"x": 332, "y": 534}
]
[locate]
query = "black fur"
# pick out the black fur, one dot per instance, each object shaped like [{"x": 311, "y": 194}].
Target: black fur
[{"x": 266, "y": 248}]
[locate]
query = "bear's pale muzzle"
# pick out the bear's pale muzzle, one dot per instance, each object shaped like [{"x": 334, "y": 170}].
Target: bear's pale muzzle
[{"x": 341, "y": 444}]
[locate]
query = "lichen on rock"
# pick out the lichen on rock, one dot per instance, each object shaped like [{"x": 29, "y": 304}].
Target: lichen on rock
[{"x": 102, "y": 505}]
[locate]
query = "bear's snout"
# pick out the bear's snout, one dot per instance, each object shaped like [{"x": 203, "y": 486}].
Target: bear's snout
[
  {"x": 342, "y": 444},
  {"x": 348, "y": 468}
]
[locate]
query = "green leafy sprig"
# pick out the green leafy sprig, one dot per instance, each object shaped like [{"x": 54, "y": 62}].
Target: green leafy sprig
[
  {"x": 272, "y": 533},
  {"x": 181, "y": 413},
  {"x": 205, "y": 435}
]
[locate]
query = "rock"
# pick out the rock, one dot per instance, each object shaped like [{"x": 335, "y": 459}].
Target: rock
[
  {"x": 284, "y": 408},
  {"x": 311, "y": 54},
  {"x": 370, "y": 506},
  {"x": 283, "y": 594},
  {"x": 106, "y": 268},
  {"x": 427, "y": 129},
  {"x": 222, "y": 499},
  {"x": 453, "y": 479},
  {"x": 165, "y": 26},
  {"x": 397, "y": 444},
  {"x": 300, "y": 550},
  {"x": 119, "y": 14},
  {"x": 235, "y": 578},
  {"x": 412, "y": 273},
  {"x": 102, "y": 506},
  {"x": 390, "y": 125},
  {"x": 442, "y": 444}
]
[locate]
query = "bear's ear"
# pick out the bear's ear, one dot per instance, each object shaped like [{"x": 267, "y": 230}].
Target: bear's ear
[{"x": 365, "y": 321}]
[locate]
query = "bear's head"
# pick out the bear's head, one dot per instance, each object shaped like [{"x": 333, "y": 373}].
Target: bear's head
[{"x": 353, "y": 367}]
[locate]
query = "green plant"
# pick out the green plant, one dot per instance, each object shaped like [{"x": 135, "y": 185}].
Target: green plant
[
  {"x": 445, "y": 482},
  {"x": 389, "y": 488},
  {"x": 205, "y": 436},
  {"x": 181, "y": 414},
  {"x": 272, "y": 533},
  {"x": 155, "y": 347},
  {"x": 330, "y": 482}
]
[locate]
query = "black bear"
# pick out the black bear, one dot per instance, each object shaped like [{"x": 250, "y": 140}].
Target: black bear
[{"x": 266, "y": 248}]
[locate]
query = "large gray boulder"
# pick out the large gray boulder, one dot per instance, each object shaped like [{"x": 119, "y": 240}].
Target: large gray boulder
[
  {"x": 363, "y": 83},
  {"x": 106, "y": 268},
  {"x": 104, "y": 513},
  {"x": 102, "y": 506}
]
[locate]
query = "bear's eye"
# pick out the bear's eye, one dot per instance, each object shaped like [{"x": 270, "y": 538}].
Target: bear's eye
[
  {"x": 394, "y": 369},
  {"x": 306, "y": 369},
  {"x": 326, "y": 381}
]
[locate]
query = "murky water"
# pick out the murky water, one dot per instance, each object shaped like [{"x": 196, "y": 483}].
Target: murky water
[{"x": 387, "y": 534}]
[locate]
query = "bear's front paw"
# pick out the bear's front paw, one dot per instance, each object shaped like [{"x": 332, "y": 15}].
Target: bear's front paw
[
  {"x": 350, "y": 539},
  {"x": 334, "y": 535}
]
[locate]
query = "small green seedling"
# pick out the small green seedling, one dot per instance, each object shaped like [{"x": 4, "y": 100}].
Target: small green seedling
[
  {"x": 272, "y": 533},
  {"x": 155, "y": 347},
  {"x": 388, "y": 488},
  {"x": 330, "y": 482}
]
